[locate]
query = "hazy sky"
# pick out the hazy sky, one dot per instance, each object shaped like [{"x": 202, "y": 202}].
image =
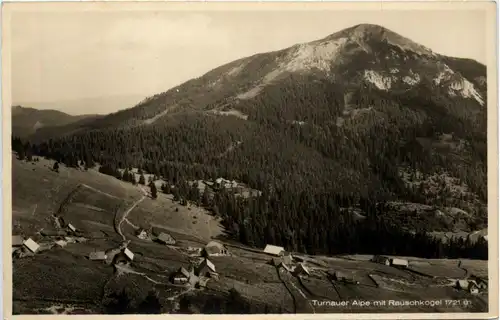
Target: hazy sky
[{"x": 58, "y": 56}]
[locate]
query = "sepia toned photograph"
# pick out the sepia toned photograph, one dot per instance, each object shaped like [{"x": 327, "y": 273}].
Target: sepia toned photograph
[{"x": 209, "y": 158}]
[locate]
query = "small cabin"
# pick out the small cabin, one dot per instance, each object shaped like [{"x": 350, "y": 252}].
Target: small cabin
[
  {"x": 467, "y": 285},
  {"x": 129, "y": 254},
  {"x": 31, "y": 245},
  {"x": 473, "y": 288},
  {"x": 17, "y": 241},
  {"x": 301, "y": 270},
  {"x": 61, "y": 243},
  {"x": 71, "y": 227},
  {"x": 165, "y": 238},
  {"x": 141, "y": 234},
  {"x": 482, "y": 283},
  {"x": 285, "y": 260},
  {"x": 205, "y": 268},
  {"x": 214, "y": 248},
  {"x": 399, "y": 263},
  {"x": 274, "y": 250},
  {"x": 462, "y": 284},
  {"x": 382, "y": 260},
  {"x": 97, "y": 255},
  {"x": 181, "y": 276}
]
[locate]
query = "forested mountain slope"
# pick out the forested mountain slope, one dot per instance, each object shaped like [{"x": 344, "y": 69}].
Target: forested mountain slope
[{"x": 26, "y": 121}]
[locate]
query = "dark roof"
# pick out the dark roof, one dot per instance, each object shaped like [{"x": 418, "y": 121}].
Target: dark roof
[
  {"x": 206, "y": 263},
  {"x": 17, "y": 240},
  {"x": 276, "y": 261},
  {"x": 120, "y": 257}
]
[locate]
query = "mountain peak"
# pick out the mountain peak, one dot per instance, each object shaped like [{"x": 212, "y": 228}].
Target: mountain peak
[
  {"x": 369, "y": 27},
  {"x": 368, "y": 33}
]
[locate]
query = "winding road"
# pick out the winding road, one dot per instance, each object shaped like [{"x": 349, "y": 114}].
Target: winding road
[{"x": 125, "y": 214}]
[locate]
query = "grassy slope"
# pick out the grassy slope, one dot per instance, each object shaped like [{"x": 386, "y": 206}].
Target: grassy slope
[{"x": 71, "y": 275}]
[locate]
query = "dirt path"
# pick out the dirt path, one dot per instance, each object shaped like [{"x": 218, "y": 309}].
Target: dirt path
[
  {"x": 303, "y": 295},
  {"x": 130, "y": 224},
  {"x": 99, "y": 191},
  {"x": 34, "y": 209},
  {"x": 288, "y": 289},
  {"x": 180, "y": 294},
  {"x": 123, "y": 269},
  {"x": 125, "y": 214},
  {"x": 467, "y": 273}
]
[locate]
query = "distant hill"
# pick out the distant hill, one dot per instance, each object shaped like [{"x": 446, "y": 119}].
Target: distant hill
[{"x": 27, "y": 121}]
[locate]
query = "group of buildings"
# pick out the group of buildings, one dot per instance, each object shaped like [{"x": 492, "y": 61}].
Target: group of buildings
[
  {"x": 473, "y": 284},
  {"x": 394, "y": 262},
  {"x": 22, "y": 247},
  {"x": 200, "y": 274},
  {"x": 285, "y": 260}
]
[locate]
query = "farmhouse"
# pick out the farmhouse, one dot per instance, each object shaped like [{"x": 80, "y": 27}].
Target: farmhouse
[
  {"x": 53, "y": 233},
  {"x": 482, "y": 283},
  {"x": 346, "y": 277},
  {"x": 165, "y": 238},
  {"x": 205, "y": 268},
  {"x": 462, "y": 284},
  {"x": 285, "y": 260},
  {"x": 382, "y": 260},
  {"x": 97, "y": 255},
  {"x": 129, "y": 254},
  {"x": 339, "y": 275},
  {"x": 473, "y": 288},
  {"x": 61, "y": 243},
  {"x": 181, "y": 276},
  {"x": 17, "y": 241},
  {"x": 31, "y": 245},
  {"x": 214, "y": 248},
  {"x": 71, "y": 227},
  {"x": 399, "y": 263},
  {"x": 274, "y": 250},
  {"x": 142, "y": 234},
  {"x": 467, "y": 285}
]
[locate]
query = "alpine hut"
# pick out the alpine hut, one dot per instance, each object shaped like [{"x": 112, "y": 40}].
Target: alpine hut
[
  {"x": 205, "y": 268},
  {"x": 165, "y": 238},
  {"x": 214, "y": 248},
  {"x": 399, "y": 263},
  {"x": 181, "y": 276},
  {"x": 382, "y": 260},
  {"x": 17, "y": 241},
  {"x": 97, "y": 255},
  {"x": 274, "y": 250},
  {"x": 31, "y": 245}
]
